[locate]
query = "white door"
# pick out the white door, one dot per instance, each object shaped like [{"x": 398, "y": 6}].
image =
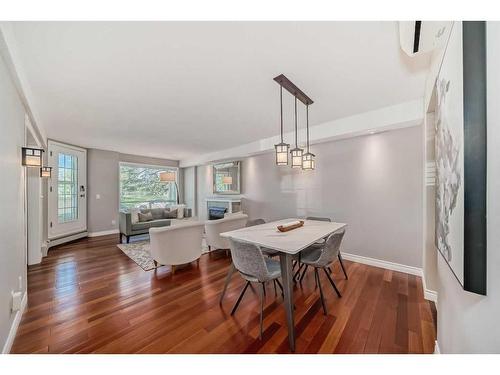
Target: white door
[{"x": 67, "y": 190}]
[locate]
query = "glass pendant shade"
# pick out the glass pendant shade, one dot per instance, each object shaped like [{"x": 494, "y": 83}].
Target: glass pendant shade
[
  {"x": 296, "y": 157},
  {"x": 308, "y": 162},
  {"x": 282, "y": 153},
  {"x": 32, "y": 157},
  {"x": 46, "y": 172}
]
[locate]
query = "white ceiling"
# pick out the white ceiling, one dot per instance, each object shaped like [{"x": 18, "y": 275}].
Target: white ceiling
[{"x": 178, "y": 89}]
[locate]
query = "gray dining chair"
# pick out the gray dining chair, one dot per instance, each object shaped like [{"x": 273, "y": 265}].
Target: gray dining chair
[
  {"x": 265, "y": 251},
  {"x": 254, "y": 267},
  {"x": 321, "y": 257},
  {"x": 268, "y": 252},
  {"x": 320, "y": 243}
]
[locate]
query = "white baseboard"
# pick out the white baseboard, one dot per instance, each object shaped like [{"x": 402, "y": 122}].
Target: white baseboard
[
  {"x": 429, "y": 295},
  {"x": 60, "y": 241},
  {"x": 103, "y": 233},
  {"x": 383, "y": 264},
  {"x": 436, "y": 348},
  {"x": 15, "y": 325}
]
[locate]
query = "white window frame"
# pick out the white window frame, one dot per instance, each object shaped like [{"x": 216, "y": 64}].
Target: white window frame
[{"x": 145, "y": 165}]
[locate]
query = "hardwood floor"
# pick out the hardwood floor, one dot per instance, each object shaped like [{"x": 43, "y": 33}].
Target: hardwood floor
[{"x": 88, "y": 297}]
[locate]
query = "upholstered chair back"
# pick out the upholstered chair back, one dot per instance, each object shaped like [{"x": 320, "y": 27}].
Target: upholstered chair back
[{"x": 213, "y": 229}]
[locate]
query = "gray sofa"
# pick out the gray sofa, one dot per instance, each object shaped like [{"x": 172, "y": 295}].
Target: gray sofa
[{"x": 129, "y": 227}]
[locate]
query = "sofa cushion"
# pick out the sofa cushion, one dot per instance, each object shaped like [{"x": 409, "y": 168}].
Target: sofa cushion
[
  {"x": 157, "y": 213},
  {"x": 150, "y": 224},
  {"x": 143, "y": 217},
  {"x": 170, "y": 214}
]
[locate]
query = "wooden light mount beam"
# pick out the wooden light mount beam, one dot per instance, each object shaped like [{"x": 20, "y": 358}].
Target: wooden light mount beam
[{"x": 292, "y": 89}]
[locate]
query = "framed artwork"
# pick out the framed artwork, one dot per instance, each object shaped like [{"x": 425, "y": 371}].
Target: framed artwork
[{"x": 461, "y": 155}]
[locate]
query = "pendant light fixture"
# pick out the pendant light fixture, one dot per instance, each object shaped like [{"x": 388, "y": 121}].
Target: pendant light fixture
[
  {"x": 308, "y": 163},
  {"x": 297, "y": 151},
  {"x": 299, "y": 159},
  {"x": 282, "y": 147}
]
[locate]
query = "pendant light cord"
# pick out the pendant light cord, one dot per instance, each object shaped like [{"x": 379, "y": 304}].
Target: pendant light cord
[
  {"x": 296, "y": 128},
  {"x": 307, "y": 124},
  {"x": 281, "y": 113}
]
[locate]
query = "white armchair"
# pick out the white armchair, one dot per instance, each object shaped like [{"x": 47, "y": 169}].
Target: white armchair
[
  {"x": 176, "y": 244},
  {"x": 213, "y": 229}
]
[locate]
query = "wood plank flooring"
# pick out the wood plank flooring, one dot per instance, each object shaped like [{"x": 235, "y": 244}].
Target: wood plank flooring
[{"x": 88, "y": 297}]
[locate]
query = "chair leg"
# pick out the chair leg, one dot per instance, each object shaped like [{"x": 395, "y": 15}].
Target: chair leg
[
  {"x": 239, "y": 298},
  {"x": 297, "y": 273},
  {"x": 333, "y": 284},
  {"x": 342, "y": 265},
  {"x": 128, "y": 239},
  {"x": 173, "y": 270},
  {"x": 228, "y": 279},
  {"x": 274, "y": 284},
  {"x": 156, "y": 263},
  {"x": 320, "y": 291},
  {"x": 303, "y": 274},
  {"x": 280, "y": 286},
  {"x": 262, "y": 294}
]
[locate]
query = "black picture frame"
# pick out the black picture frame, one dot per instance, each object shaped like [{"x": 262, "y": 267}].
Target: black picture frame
[{"x": 475, "y": 157}]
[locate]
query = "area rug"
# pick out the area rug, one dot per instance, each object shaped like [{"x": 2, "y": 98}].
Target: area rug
[{"x": 139, "y": 252}]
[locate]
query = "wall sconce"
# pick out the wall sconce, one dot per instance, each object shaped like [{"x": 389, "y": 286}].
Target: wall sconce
[
  {"x": 32, "y": 157},
  {"x": 46, "y": 172}
]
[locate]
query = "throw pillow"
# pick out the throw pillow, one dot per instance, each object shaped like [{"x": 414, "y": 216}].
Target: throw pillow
[
  {"x": 180, "y": 210},
  {"x": 157, "y": 213},
  {"x": 145, "y": 217},
  {"x": 170, "y": 214},
  {"x": 134, "y": 215}
]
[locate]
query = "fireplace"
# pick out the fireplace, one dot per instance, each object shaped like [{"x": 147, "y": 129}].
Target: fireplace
[
  {"x": 215, "y": 213},
  {"x": 218, "y": 206}
]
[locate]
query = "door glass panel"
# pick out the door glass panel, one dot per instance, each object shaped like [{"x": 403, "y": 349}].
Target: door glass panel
[{"x": 67, "y": 188}]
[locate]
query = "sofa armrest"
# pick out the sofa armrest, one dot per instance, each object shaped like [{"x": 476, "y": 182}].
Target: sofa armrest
[{"x": 125, "y": 223}]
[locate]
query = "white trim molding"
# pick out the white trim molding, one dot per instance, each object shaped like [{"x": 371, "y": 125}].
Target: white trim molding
[
  {"x": 429, "y": 295},
  {"x": 436, "y": 348},
  {"x": 103, "y": 233},
  {"x": 15, "y": 325},
  {"x": 393, "y": 117},
  {"x": 383, "y": 264}
]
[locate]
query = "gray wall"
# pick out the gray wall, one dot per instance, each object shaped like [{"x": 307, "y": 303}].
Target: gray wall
[
  {"x": 12, "y": 245},
  {"x": 103, "y": 179},
  {"x": 189, "y": 188},
  {"x": 373, "y": 183},
  {"x": 468, "y": 323}
]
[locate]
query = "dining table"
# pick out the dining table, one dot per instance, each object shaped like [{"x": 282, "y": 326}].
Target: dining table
[{"x": 288, "y": 244}]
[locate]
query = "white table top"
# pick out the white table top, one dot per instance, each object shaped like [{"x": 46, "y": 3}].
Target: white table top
[{"x": 291, "y": 242}]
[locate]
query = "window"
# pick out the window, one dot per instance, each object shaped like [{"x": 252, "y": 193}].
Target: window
[
  {"x": 140, "y": 186},
  {"x": 67, "y": 188}
]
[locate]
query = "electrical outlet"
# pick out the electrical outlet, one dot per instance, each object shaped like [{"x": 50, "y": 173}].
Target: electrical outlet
[
  {"x": 113, "y": 222},
  {"x": 98, "y": 196},
  {"x": 20, "y": 282}
]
